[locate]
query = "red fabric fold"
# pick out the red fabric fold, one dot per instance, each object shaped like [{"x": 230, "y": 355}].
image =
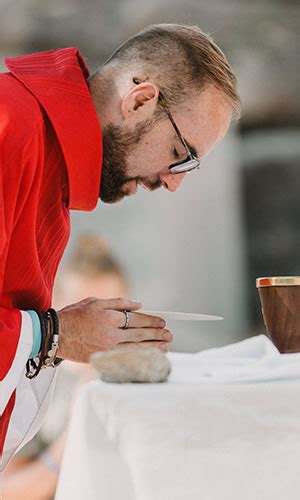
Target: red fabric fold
[
  {"x": 4, "y": 420},
  {"x": 57, "y": 78}
]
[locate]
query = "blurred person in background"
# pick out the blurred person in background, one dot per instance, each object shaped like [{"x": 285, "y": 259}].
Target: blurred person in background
[
  {"x": 146, "y": 118},
  {"x": 92, "y": 270}
]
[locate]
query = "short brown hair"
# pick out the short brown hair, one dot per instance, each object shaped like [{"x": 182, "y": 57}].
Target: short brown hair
[{"x": 179, "y": 58}]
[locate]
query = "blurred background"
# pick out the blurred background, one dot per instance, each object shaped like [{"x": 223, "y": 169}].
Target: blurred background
[{"x": 201, "y": 249}]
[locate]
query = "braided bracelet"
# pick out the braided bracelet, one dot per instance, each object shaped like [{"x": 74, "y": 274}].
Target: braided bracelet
[
  {"x": 49, "y": 344},
  {"x": 51, "y": 359}
]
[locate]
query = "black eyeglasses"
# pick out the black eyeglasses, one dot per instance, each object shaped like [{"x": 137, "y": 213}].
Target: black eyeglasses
[{"x": 191, "y": 162}]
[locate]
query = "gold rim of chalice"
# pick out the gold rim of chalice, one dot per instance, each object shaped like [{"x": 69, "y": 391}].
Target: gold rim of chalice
[{"x": 278, "y": 281}]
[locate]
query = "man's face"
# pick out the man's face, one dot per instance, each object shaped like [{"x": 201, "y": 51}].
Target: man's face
[{"x": 140, "y": 155}]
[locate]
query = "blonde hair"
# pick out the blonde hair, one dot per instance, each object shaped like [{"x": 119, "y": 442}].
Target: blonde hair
[
  {"x": 92, "y": 257},
  {"x": 179, "y": 59}
]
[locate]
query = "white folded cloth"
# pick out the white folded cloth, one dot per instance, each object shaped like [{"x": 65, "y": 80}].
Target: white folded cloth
[
  {"x": 252, "y": 360},
  {"x": 226, "y": 427}
]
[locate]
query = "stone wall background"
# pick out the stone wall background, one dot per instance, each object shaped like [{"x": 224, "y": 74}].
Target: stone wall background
[{"x": 201, "y": 249}]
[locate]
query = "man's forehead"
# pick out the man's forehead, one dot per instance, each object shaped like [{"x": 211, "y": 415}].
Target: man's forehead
[{"x": 204, "y": 126}]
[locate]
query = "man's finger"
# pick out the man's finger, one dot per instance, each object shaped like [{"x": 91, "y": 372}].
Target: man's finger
[
  {"x": 139, "y": 320},
  {"x": 120, "y": 304},
  {"x": 163, "y": 346},
  {"x": 145, "y": 334}
]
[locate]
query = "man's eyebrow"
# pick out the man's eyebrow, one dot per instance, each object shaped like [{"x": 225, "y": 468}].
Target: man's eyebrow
[{"x": 191, "y": 148}]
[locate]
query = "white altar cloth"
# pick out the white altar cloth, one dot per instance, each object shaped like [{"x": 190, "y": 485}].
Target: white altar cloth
[{"x": 226, "y": 427}]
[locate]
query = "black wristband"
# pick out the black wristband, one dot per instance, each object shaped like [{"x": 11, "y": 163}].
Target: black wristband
[
  {"x": 49, "y": 340},
  {"x": 53, "y": 317}
]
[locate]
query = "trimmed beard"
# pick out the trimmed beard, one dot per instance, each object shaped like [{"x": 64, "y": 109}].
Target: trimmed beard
[{"x": 117, "y": 145}]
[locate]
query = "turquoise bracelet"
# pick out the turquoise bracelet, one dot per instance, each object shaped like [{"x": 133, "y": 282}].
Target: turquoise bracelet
[{"x": 37, "y": 334}]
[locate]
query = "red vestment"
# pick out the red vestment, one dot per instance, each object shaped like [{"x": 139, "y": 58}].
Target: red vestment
[{"x": 50, "y": 162}]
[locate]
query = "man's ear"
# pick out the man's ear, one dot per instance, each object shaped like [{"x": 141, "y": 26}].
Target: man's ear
[{"x": 140, "y": 102}]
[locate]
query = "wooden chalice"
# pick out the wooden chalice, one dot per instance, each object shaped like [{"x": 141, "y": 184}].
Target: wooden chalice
[{"x": 280, "y": 301}]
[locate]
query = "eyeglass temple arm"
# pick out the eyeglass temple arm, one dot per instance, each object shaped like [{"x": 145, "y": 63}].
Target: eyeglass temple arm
[
  {"x": 166, "y": 108},
  {"x": 174, "y": 125}
]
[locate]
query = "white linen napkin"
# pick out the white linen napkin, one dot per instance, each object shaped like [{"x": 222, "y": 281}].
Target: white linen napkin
[{"x": 252, "y": 360}]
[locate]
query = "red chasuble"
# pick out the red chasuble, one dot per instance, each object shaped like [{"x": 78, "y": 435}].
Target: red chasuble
[{"x": 50, "y": 162}]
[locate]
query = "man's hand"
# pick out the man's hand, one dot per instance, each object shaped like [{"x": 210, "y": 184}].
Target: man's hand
[{"x": 96, "y": 325}]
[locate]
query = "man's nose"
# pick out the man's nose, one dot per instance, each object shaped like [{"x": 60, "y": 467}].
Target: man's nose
[{"x": 172, "y": 181}]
